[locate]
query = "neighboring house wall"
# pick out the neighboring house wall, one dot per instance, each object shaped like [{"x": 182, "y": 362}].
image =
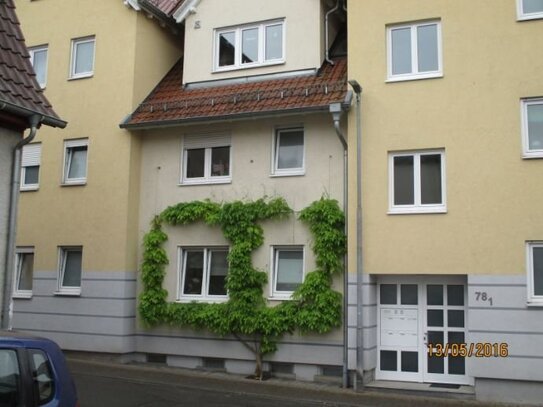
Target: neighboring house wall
[
  {"x": 251, "y": 164},
  {"x": 100, "y": 215},
  {"x": 8, "y": 140},
  {"x": 471, "y": 112},
  {"x": 302, "y": 35}
]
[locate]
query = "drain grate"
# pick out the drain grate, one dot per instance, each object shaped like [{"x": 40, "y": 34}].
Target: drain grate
[{"x": 445, "y": 385}]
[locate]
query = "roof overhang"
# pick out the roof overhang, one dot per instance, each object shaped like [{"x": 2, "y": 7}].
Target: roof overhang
[
  {"x": 346, "y": 104},
  {"x": 25, "y": 114},
  {"x": 188, "y": 7}
]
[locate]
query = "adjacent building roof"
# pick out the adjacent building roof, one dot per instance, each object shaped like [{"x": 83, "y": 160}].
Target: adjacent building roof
[
  {"x": 171, "y": 104},
  {"x": 166, "y": 6},
  {"x": 20, "y": 93}
]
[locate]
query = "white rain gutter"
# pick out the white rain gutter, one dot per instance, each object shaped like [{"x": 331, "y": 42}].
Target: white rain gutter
[{"x": 337, "y": 111}]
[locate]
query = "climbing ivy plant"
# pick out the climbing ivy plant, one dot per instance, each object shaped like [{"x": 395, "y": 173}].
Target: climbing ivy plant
[{"x": 315, "y": 306}]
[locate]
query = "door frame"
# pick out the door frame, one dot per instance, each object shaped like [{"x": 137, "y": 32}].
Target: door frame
[{"x": 422, "y": 376}]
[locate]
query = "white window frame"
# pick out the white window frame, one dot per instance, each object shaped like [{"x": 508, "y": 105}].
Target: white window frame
[
  {"x": 181, "y": 265},
  {"x": 237, "y": 30},
  {"x": 417, "y": 206},
  {"x": 526, "y": 151},
  {"x": 31, "y": 157},
  {"x": 62, "y": 256},
  {"x": 32, "y": 51},
  {"x": 536, "y": 300},
  {"x": 283, "y": 172},
  {"x": 69, "y": 144},
  {"x": 19, "y": 254},
  {"x": 206, "y": 142},
  {"x": 274, "y": 293},
  {"x": 414, "y": 74},
  {"x": 73, "y": 58},
  {"x": 522, "y": 16}
]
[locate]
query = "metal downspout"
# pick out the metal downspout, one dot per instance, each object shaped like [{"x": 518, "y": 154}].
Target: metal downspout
[
  {"x": 12, "y": 222},
  {"x": 336, "y": 110},
  {"x": 326, "y": 39},
  {"x": 359, "y": 264}
]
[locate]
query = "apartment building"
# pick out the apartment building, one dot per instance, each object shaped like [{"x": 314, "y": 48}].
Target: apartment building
[
  {"x": 451, "y": 131},
  {"x": 244, "y": 115},
  {"x": 80, "y": 196},
  {"x": 22, "y": 106}
]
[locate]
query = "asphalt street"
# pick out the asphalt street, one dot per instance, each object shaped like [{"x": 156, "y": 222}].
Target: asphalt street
[{"x": 102, "y": 384}]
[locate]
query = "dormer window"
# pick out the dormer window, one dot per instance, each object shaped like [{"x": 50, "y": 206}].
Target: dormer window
[{"x": 249, "y": 46}]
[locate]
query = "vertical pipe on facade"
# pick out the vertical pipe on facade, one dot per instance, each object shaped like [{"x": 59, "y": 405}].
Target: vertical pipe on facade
[
  {"x": 336, "y": 110},
  {"x": 12, "y": 222},
  {"x": 359, "y": 265}
]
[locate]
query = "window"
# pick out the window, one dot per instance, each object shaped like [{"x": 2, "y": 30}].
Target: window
[
  {"x": 43, "y": 377},
  {"x": 532, "y": 127},
  {"x": 289, "y": 152},
  {"x": 203, "y": 273},
  {"x": 70, "y": 260},
  {"x": 529, "y": 9},
  {"x": 417, "y": 182},
  {"x": 38, "y": 59},
  {"x": 206, "y": 159},
  {"x": 24, "y": 271},
  {"x": 288, "y": 270},
  {"x": 75, "y": 162},
  {"x": 535, "y": 272},
  {"x": 10, "y": 385},
  {"x": 414, "y": 51},
  {"x": 30, "y": 167},
  {"x": 250, "y": 45},
  {"x": 82, "y": 63}
]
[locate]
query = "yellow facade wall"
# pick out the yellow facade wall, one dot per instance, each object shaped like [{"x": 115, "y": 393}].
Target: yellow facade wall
[
  {"x": 473, "y": 113},
  {"x": 99, "y": 216}
]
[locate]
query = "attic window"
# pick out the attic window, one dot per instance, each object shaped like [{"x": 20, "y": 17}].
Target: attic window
[{"x": 249, "y": 46}]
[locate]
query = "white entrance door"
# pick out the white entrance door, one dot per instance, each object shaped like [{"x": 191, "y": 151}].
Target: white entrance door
[{"x": 416, "y": 315}]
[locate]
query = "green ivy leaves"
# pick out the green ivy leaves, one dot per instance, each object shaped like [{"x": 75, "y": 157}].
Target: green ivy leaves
[{"x": 315, "y": 307}]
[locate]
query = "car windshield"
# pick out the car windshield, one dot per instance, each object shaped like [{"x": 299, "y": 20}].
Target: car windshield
[{"x": 9, "y": 378}]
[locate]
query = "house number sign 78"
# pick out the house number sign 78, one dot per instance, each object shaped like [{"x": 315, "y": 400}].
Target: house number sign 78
[{"x": 482, "y": 296}]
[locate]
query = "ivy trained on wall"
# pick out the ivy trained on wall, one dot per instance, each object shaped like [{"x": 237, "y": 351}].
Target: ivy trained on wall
[{"x": 315, "y": 306}]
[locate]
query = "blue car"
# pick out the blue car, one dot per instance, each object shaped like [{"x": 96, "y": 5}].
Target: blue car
[{"x": 33, "y": 372}]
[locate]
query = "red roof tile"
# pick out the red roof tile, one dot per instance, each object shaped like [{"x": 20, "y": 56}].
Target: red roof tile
[
  {"x": 18, "y": 85},
  {"x": 170, "y": 102}
]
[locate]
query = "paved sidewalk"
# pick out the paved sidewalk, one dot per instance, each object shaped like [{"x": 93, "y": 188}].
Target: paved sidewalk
[{"x": 277, "y": 391}]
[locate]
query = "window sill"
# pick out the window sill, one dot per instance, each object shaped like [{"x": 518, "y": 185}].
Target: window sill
[
  {"x": 278, "y": 297},
  {"x": 73, "y": 184},
  {"x": 29, "y": 188},
  {"x": 535, "y": 303},
  {"x": 530, "y": 155},
  {"x": 416, "y": 210},
  {"x": 218, "y": 70},
  {"x": 528, "y": 17},
  {"x": 22, "y": 296},
  {"x": 81, "y": 76},
  {"x": 185, "y": 183},
  {"x": 205, "y": 300},
  {"x": 393, "y": 79},
  {"x": 75, "y": 293},
  {"x": 288, "y": 174}
]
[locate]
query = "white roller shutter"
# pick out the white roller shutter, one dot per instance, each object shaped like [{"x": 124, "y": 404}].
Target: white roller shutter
[
  {"x": 31, "y": 155},
  {"x": 206, "y": 141}
]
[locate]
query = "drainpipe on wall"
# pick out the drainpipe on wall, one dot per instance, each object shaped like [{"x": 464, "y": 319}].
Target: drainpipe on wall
[
  {"x": 337, "y": 110},
  {"x": 7, "y": 310},
  {"x": 359, "y": 265}
]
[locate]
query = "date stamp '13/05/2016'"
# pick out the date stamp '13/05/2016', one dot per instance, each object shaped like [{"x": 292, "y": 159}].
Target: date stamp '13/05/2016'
[{"x": 478, "y": 350}]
